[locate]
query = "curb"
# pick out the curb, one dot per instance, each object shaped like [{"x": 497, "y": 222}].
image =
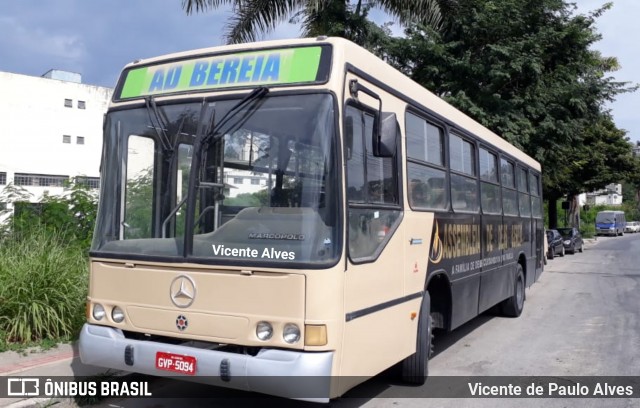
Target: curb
[{"x": 38, "y": 362}]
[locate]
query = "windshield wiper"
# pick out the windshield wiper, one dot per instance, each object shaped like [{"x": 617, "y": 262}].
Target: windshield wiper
[
  {"x": 206, "y": 134},
  {"x": 214, "y": 132},
  {"x": 152, "y": 108}
]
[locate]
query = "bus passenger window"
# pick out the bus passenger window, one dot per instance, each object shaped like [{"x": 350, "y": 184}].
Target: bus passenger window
[{"x": 417, "y": 193}]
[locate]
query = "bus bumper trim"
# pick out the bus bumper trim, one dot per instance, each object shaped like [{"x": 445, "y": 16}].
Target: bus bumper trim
[{"x": 284, "y": 373}]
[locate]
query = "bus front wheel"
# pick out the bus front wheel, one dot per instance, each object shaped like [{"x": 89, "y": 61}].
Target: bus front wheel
[
  {"x": 513, "y": 306},
  {"x": 415, "y": 368}
]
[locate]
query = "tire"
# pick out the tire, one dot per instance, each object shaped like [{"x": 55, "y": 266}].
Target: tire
[
  {"x": 573, "y": 250},
  {"x": 513, "y": 306},
  {"x": 562, "y": 251},
  {"x": 415, "y": 368},
  {"x": 581, "y": 247},
  {"x": 552, "y": 253}
]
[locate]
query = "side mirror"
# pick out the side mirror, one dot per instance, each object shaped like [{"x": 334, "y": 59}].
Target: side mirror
[{"x": 386, "y": 142}]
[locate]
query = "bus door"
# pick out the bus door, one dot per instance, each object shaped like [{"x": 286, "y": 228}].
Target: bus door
[{"x": 375, "y": 336}]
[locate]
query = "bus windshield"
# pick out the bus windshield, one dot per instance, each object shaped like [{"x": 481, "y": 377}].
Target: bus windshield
[
  {"x": 605, "y": 218},
  {"x": 263, "y": 185}
]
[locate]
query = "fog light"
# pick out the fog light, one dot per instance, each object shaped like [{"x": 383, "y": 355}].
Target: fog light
[
  {"x": 98, "y": 311},
  {"x": 264, "y": 331},
  {"x": 291, "y": 333},
  {"x": 117, "y": 315}
]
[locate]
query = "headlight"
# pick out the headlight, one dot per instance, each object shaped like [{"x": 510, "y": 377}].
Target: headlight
[
  {"x": 291, "y": 333},
  {"x": 567, "y": 242},
  {"x": 117, "y": 315},
  {"x": 264, "y": 331},
  {"x": 98, "y": 311}
]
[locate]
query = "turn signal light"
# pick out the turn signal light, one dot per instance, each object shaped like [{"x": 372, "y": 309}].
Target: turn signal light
[{"x": 315, "y": 335}]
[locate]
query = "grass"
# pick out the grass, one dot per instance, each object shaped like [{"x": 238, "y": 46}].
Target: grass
[{"x": 43, "y": 286}]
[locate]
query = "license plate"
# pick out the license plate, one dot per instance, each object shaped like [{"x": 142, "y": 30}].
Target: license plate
[{"x": 176, "y": 363}]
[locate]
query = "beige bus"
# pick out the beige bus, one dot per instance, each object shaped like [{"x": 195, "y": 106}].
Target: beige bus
[{"x": 294, "y": 217}]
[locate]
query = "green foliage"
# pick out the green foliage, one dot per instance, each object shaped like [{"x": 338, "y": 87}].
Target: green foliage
[
  {"x": 250, "y": 19},
  {"x": 43, "y": 265},
  {"x": 248, "y": 199},
  {"x": 71, "y": 216},
  {"x": 528, "y": 71},
  {"x": 43, "y": 284},
  {"x": 138, "y": 211}
]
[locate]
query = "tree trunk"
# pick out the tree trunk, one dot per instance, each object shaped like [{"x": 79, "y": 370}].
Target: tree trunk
[{"x": 574, "y": 211}]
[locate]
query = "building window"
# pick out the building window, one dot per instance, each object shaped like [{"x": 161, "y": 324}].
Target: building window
[
  {"x": 68, "y": 103},
  {"x": 66, "y": 139},
  {"x": 90, "y": 182},
  {"x": 237, "y": 180},
  {"x": 82, "y": 105},
  {"x": 80, "y": 140},
  {"x": 3, "y": 178},
  {"x": 40, "y": 180},
  {"x": 255, "y": 181}
]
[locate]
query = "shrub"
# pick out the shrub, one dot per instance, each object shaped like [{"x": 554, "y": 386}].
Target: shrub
[{"x": 43, "y": 286}]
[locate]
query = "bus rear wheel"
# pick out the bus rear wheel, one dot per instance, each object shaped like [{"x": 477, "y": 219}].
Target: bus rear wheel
[
  {"x": 513, "y": 306},
  {"x": 415, "y": 368}
]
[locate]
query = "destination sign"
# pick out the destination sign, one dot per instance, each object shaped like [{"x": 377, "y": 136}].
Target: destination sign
[{"x": 246, "y": 69}]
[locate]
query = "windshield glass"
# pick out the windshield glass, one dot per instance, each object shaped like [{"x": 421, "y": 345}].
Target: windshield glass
[
  {"x": 606, "y": 218},
  {"x": 264, "y": 186},
  {"x": 565, "y": 232}
]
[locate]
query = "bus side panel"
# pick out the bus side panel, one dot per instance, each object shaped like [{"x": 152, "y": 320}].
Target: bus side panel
[
  {"x": 496, "y": 280},
  {"x": 528, "y": 247},
  {"x": 465, "y": 294},
  {"x": 538, "y": 248},
  {"x": 378, "y": 327},
  {"x": 456, "y": 250}
]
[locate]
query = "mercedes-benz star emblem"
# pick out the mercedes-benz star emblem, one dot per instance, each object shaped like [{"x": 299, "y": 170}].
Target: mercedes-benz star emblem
[
  {"x": 182, "y": 322},
  {"x": 182, "y": 291}
]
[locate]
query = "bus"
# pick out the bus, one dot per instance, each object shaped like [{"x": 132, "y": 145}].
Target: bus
[
  {"x": 293, "y": 217},
  {"x": 610, "y": 223}
]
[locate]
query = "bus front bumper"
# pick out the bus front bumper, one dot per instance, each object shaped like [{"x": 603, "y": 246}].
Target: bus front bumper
[{"x": 284, "y": 373}]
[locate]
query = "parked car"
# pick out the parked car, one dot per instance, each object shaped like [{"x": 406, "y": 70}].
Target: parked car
[
  {"x": 571, "y": 239},
  {"x": 555, "y": 241},
  {"x": 632, "y": 226}
]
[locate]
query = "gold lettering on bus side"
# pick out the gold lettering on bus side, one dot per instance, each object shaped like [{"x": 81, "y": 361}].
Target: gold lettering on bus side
[
  {"x": 503, "y": 233},
  {"x": 436, "y": 248},
  {"x": 489, "y": 235},
  {"x": 461, "y": 240},
  {"x": 517, "y": 236}
]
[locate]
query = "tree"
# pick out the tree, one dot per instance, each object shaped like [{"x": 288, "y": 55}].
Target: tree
[
  {"x": 327, "y": 17},
  {"x": 526, "y": 70}
]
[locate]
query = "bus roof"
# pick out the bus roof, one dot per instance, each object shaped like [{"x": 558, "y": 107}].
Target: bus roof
[{"x": 344, "y": 52}]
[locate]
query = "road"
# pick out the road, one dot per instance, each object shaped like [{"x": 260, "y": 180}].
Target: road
[{"x": 580, "y": 319}]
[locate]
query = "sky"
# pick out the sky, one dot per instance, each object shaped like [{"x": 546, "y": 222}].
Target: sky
[{"x": 97, "y": 38}]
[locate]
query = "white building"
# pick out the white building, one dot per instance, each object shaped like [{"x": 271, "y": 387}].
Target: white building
[
  {"x": 636, "y": 148},
  {"x": 51, "y": 131},
  {"x": 610, "y": 195}
]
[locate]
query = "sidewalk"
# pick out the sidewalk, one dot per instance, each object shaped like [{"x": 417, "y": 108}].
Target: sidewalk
[{"x": 62, "y": 361}]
